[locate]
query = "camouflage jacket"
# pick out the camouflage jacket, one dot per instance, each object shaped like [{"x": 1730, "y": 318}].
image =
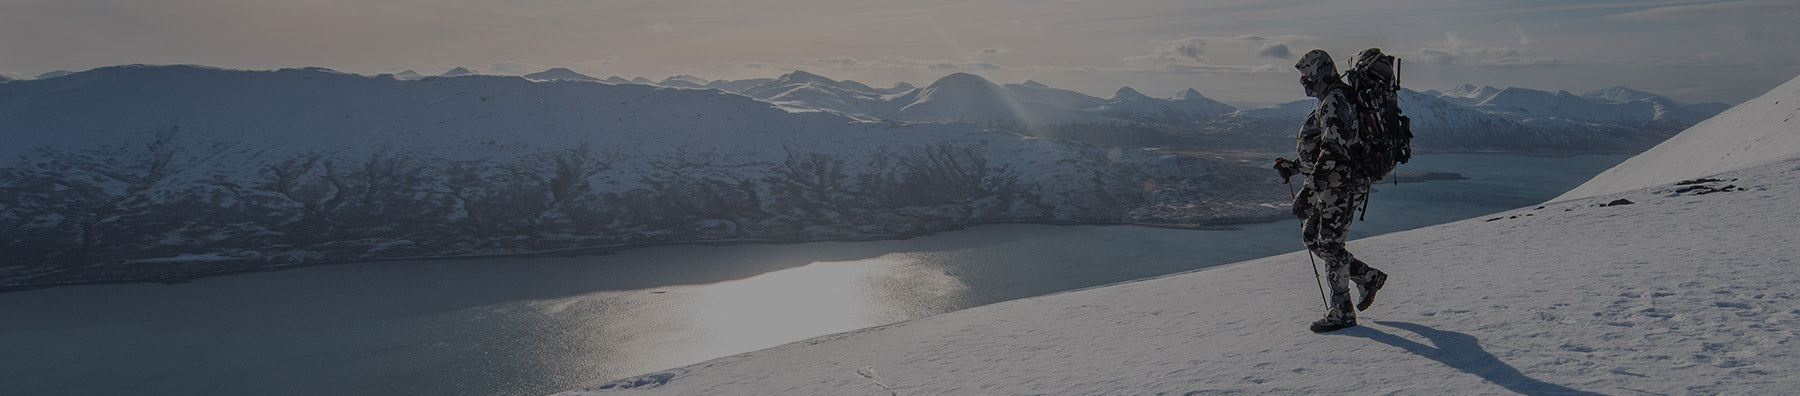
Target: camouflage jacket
[{"x": 1325, "y": 141}]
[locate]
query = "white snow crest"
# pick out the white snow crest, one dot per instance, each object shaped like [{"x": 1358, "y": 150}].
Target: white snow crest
[{"x": 1758, "y": 131}]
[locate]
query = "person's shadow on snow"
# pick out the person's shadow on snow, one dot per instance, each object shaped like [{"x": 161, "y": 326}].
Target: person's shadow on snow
[{"x": 1462, "y": 352}]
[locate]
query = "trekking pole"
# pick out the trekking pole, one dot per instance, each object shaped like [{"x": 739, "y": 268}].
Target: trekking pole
[
  {"x": 1315, "y": 265},
  {"x": 1365, "y": 208}
]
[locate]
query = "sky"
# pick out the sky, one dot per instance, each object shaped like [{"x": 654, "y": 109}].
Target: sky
[{"x": 1237, "y": 51}]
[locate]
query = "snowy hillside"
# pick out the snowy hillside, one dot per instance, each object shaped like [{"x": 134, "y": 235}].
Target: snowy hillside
[
  {"x": 170, "y": 172},
  {"x": 1033, "y": 91},
  {"x": 1668, "y": 289},
  {"x": 1760, "y": 130}
]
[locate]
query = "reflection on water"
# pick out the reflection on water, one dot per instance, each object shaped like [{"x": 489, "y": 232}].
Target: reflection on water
[
  {"x": 816, "y": 299},
  {"x": 542, "y": 325}
]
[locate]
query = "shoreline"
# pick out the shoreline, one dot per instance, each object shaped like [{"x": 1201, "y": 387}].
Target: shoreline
[{"x": 213, "y": 269}]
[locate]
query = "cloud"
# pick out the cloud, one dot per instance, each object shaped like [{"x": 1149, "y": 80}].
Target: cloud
[
  {"x": 994, "y": 51},
  {"x": 1202, "y": 54},
  {"x": 660, "y": 27},
  {"x": 1191, "y": 49},
  {"x": 1275, "y": 49},
  {"x": 886, "y": 63},
  {"x": 1524, "y": 41},
  {"x": 601, "y": 63},
  {"x": 1203, "y": 68},
  {"x": 1455, "y": 51},
  {"x": 1758, "y": 9}
]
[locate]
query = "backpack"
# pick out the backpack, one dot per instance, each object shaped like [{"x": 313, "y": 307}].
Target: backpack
[{"x": 1375, "y": 95}]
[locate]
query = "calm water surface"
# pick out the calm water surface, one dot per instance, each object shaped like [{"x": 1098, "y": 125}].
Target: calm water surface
[{"x": 543, "y": 325}]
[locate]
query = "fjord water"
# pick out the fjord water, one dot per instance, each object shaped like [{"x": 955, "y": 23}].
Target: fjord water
[{"x": 542, "y": 325}]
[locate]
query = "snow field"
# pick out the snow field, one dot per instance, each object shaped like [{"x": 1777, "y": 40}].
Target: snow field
[{"x": 1676, "y": 293}]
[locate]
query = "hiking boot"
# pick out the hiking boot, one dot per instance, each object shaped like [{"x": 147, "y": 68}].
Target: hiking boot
[
  {"x": 1368, "y": 290},
  {"x": 1328, "y": 325}
]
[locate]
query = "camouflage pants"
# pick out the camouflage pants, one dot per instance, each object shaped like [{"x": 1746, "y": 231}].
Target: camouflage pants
[{"x": 1324, "y": 227}]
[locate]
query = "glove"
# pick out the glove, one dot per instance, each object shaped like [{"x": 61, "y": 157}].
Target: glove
[{"x": 1286, "y": 168}]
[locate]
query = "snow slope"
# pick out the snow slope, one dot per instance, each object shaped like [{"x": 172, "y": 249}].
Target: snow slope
[
  {"x": 1684, "y": 290},
  {"x": 1760, "y": 130},
  {"x": 1694, "y": 298}
]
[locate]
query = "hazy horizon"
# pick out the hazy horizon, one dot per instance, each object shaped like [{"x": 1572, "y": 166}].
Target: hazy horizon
[{"x": 1233, "y": 51}]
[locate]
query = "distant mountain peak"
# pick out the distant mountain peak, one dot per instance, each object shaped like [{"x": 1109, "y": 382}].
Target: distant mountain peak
[
  {"x": 1190, "y": 94},
  {"x": 1126, "y": 93},
  {"x": 641, "y": 80},
  {"x": 617, "y": 80},
  {"x": 801, "y": 77},
  {"x": 1471, "y": 91},
  {"x": 559, "y": 73},
  {"x": 684, "y": 81},
  {"x": 457, "y": 72},
  {"x": 961, "y": 79},
  {"x": 1034, "y": 84}
]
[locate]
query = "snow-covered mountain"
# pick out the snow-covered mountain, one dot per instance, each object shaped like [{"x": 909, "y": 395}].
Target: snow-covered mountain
[
  {"x": 737, "y": 86},
  {"x": 1187, "y": 107},
  {"x": 459, "y": 71},
  {"x": 1033, "y": 91},
  {"x": 1466, "y": 118},
  {"x": 1761, "y": 130},
  {"x": 559, "y": 73},
  {"x": 1466, "y": 94},
  {"x": 801, "y": 91},
  {"x": 683, "y": 81},
  {"x": 963, "y": 97},
  {"x": 408, "y": 74},
  {"x": 160, "y": 172},
  {"x": 1619, "y": 94},
  {"x": 1470, "y": 118},
  {"x": 1674, "y": 287}
]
